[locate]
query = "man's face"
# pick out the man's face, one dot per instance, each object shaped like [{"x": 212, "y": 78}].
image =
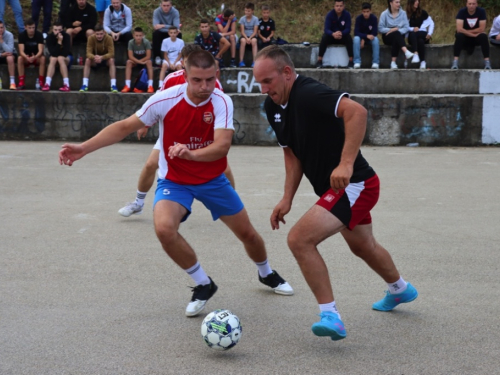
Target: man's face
[
  {"x": 172, "y": 33},
  {"x": 366, "y": 13},
  {"x": 138, "y": 37},
  {"x": 99, "y": 35},
  {"x": 339, "y": 7},
  {"x": 204, "y": 28},
  {"x": 201, "y": 83},
  {"x": 166, "y": 6},
  {"x": 471, "y": 6},
  {"x": 30, "y": 29},
  {"x": 117, "y": 4},
  {"x": 57, "y": 30},
  {"x": 81, "y": 3},
  {"x": 248, "y": 12},
  {"x": 266, "y": 13},
  {"x": 272, "y": 81}
]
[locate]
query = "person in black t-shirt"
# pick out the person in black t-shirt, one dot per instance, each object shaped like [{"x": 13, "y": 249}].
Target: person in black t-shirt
[
  {"x": 81, "y": 21},
  {"x": 266, "y": 28},
  {"x": 59, "y": 45},
  {"x": 471, "y": 26},
  {"x": 30, "y": 52},
  {"x": 321, "y": 131}
]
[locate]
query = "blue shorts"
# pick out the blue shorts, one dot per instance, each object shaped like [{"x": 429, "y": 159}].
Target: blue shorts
[
  {"x": 217, "y": 195},
  {"x": 101, "y": 5}
]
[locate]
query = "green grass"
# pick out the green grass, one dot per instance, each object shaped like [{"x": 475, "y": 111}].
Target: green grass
[{"x": 296, "y": 21}]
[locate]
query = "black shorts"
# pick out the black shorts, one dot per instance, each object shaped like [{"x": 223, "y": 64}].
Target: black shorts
[{"x": 3, "y": 60}]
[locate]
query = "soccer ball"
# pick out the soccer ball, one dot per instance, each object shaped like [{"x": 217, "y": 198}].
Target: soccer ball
[{"x": 221, "y": 329}]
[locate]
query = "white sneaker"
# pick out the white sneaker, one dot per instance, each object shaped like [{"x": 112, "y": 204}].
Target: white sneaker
[
  {"x": 130, "y": 209},
  {"x": 394, "y": 65},
  {"x": 374, "y": 66},
  {"x": 423, "y": 65},
  {"x": 277, "y": 283},
  {"x": 357, "y": 66},
  {"x": 158, "y": 60},
  {"x": 201, "y": 294},
  {"x": 409, "y": 54},
  {"x": 44, "y": 36},
  {"x": 415, "y": 59}
]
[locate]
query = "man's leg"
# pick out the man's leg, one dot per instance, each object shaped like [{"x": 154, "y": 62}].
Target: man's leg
[
  {"x": 112, "y": 74},
  {"x": 36, "y": 7},
  {"x": 47, "y": 15},
  {"x": 11, "y": 66},
  {"x": 356, "y": 47},
  {"x": 243, "y": 46},
  {"x": 86, "y": 74},
  {"x": 254, "y": 49},
  {"x": 375, "y": 51},
  {"x": 18, "y": 14},
  {"x": 457, "y": 48}
]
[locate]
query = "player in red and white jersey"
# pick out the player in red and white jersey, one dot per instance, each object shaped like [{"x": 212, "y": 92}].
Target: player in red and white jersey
[{"x": 196, "y": 130}]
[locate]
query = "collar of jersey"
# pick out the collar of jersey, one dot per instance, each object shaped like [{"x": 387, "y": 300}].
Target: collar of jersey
[{"x": 195, "y": 105}]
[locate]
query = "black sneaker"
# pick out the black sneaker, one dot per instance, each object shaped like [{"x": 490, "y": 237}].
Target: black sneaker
[
  {"x": 232, "y": 63},
  {"x": 221, "y": 64},
  {"x": 319, "y": 64},
  {"x": 201, "y": 294},
  {"x": 275, "y": 281},
  {"x": 350, "y": 65}
]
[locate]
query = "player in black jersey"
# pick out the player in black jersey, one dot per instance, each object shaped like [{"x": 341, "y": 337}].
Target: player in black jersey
[{"x": 321, "y": 131}]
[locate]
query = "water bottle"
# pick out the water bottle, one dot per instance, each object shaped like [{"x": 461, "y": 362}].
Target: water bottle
[{"x": 37, "y": 85}]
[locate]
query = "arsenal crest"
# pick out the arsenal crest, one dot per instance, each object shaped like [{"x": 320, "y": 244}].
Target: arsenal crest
[{"x": 208, "y": 117}]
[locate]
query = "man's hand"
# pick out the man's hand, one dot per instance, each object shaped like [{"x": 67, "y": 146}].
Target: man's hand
[
  {"x": 337, "y": 34},
  {"x": 159, "y": 26},
  {"x": 77, "y": 23},
  {"x": 370, "y": 37},
  {"x": 415, "y": 29},
  {"x": 70, "y": 153},
  {"x": 97, "y": 59},
  {"x": 115, "y": 36},
  {"x": 141, "y": 133},
  {"x": 428, "y": 36},
  {"x": 180, "y": 151},
  {"x": 279, "y": 212},
  {"x": 60, "y": 37},
  {"x": 340, "y": 177},
  {"x": 362, "y": 44}
]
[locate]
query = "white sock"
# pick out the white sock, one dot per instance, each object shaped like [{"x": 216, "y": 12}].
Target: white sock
[
  {"x": 66, "y": 81},
  {"x": 127, "y": 82},
  {"x": 12, "y": 80},
  {"x": 331, "y": 307},
  {"x": 48, "y": 80},
  {"x": 397, "y": 287},
  {"x": 139, "y": 199},
  {"x": 113, "y": 82},
  {"x": 160, "y": 83},
  {"x": 264, "y": 268},
  {"x": 86, "y": 81},
  {"x": 198, "y": 274},
  {"x": 150, "y": 82}
]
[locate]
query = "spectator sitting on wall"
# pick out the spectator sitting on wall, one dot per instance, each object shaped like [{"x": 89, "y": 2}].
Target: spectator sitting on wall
[
  {"x": 81, "y": 21},
  {"x": 495, "y": 31},
  {"x": 421, "y": 29},
  {"x": 59, "y": 45},
  {"x": 226, "y": 25},
  {"x": 163, "y": 17},
  {"x": 365, "y": 31},
  {"x": 118, "y": 21},
  {"x": 31, "y": 47},
  {"x": 8, "y": 53}
]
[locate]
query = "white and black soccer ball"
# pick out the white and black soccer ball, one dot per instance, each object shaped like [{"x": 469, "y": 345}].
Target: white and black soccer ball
[{"x": 221, "y": 329}]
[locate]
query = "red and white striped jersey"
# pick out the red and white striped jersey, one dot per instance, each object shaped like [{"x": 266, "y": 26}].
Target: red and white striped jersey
[
  {"x": 177, "y": 78},
  {"x": 182, "y": 121}
]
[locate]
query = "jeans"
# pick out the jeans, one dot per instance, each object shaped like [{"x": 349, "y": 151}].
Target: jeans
[
  {"x": 36, "y": 7},
  {"x": 375, "y": 50},
  {"x": 16, "y": 9}
]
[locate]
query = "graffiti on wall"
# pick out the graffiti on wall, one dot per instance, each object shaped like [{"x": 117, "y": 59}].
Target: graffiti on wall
[
  {"x": 23, "y": 115},
  {"x": 245, "y": 82}
]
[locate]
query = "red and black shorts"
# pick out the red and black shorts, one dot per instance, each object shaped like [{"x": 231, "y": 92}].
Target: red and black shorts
[{"x": 352, "y": 205}]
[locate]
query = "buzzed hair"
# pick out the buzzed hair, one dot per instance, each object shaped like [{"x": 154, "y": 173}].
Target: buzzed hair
[
  {"x": 200, "y": 59},
  {"x": 29, "y": 22},
  {"x": 189, "y": 49},
  {"x": 278, "y": 55},
  {"x": 264, "y": 7},
  {"x": 172, "y": 28}
]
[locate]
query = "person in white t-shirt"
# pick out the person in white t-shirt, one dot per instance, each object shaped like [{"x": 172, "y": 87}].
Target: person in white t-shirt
[{"x": 171, "y": 48}]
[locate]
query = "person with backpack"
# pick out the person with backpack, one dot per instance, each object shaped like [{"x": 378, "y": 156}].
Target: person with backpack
[{"x": 139, "y": 55}]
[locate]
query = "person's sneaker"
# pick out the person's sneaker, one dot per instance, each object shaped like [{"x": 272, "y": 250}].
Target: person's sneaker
[
  {"x": 65, "y": 88},
  {"x": 394, "y": 65},
  {"x": 487, "y": 65},
  {"x": 409, "y": 54},
  {"x": 114, "y": 88},
  {"x": 415, "y": 59},
  {"x": 125, "y": 89},
  {"x": 374, "y": 66},
  {"x": 151, "y": 90},
  {"x": 423, "y": 65},
  {"x": 12, "y": 86},
  {"x": 275, "y": 281},
  {"x": 44, "y": 36},
  {"x": 84, "y": 88},
  {"x": 350, "y": 65},
  {"x": 241, "y": 64},
  {"x": 201, "y": 294},
  {"x": 357, "y": 66},
  {"x": 232, "y": 63},
  {"x": 158, "y": 61},
  {"x": 130, "y": 209},
  {"x": 45, "y": 87},
  {"x": 319, "y": 64},
  {"x": 390, "y": 301},
  {"x": 251, "y": 65},
  {"x": 21, "y": 87},
  {"x": 329, "y": 325},
  {"x": 455, "y": 64},
  {"x": 137, "y": 91}
]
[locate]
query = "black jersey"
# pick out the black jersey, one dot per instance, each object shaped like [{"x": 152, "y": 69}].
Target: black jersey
[{"x": 309, "y": 126}]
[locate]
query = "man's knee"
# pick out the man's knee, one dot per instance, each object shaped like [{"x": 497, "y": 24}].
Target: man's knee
[{"x": 111, "y": 62}]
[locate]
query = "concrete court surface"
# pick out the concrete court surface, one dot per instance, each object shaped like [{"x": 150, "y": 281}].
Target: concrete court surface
[{"x": 86, "y": 291}]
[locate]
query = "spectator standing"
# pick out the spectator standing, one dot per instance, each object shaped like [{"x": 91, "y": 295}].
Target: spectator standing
[
  {"x": 101, "y": 6},
  {"x": 163, "y": 17},
  {"x": 337, "y": 30},
  {"x": 31, "y": 46},
  {"x": 393, "y": 26},
  {"x": 118, "y": 21},
  {"x": 65, "y": 9},
  {"x": 16, "y": 9},
  {"x": 471, "y": 26},
  {"x": 100, "y": 52},
  {"x": 267, "y": 27},
  {"x": 365, "y": 31},
  {"x": 421, "y": 29},
  {"x": 171, "y": 48},
  {"x": 226, "y": 25},
  {"x": 81, "y": 21},
  {"x": 249, "y": 26},
  {"x": 8, "y": 53},
  {"x": 139, "y": 54},
  {"x": 36, "y": 7},
  {"x": 212, "y": 42},
  {"x": 495, "y": 31},
  {"x": 59, "y": 45}
]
